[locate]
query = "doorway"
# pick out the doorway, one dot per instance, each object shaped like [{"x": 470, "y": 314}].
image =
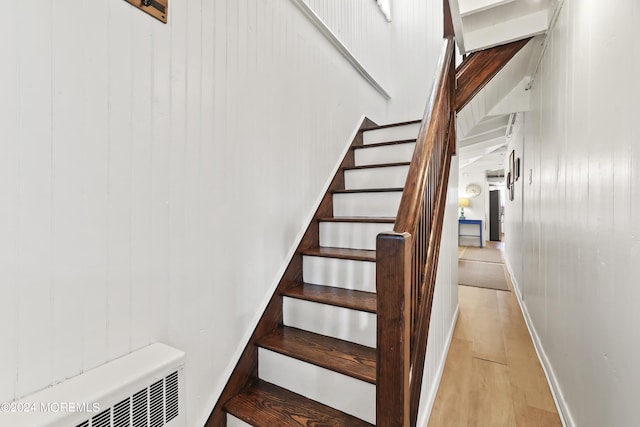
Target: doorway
[{"x": 496, "y": 213}]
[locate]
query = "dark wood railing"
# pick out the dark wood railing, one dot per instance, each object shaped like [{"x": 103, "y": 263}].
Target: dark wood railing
[{"x": 407, "y": 258}]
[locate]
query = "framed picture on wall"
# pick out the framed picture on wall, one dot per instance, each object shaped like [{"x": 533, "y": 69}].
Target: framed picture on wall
[
  {"x": 517, "y": 169},
  {"x": 511, "y": 175}
]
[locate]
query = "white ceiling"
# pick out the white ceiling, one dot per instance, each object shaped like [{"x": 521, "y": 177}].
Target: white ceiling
[{"x": 483, "y": 123}]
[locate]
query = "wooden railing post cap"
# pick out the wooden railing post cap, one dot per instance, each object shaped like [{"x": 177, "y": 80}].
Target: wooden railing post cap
[{"x": 392, "y": 235}]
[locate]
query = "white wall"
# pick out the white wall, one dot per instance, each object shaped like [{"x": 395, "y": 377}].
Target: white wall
[
  {"x": 513, "y": 220},
  {"x": 445, "y": 302},
  {"x": 416, "y": 34},
  {"x": 479, "y": 205},
  {"x": 369, "y": 41},
  {"x": 408, "y": 46},
  {"x": 581, "y": 241},
  {"x": 154, "y": 178}
]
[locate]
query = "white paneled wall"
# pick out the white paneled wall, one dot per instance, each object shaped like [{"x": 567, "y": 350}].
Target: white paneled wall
[
  {"x": 445, "y": 302},
  {"x": 154, "y": 178},
  {"x": 404, "y": 47},
  {"x": 369, "y": 41},
  {"x": 416, "y": 33},
  {"x": 513, "y": 221},
  {"x": 581, "y": 242}
]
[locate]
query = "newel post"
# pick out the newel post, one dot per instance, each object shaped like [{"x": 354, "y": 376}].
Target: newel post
[{"x": 393, "y": 287}]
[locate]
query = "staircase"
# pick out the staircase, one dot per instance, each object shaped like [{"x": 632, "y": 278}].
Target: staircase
[
  {"x": 343, "y": 340},
  {"x": 318, "y": 366}
]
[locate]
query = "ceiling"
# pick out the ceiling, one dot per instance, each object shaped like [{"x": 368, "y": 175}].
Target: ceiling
[{"x": 484, "y": 123}]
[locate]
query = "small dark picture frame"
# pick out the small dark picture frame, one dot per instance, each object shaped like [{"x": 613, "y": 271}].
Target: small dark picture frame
[
  {"x": 517, "y": 169},
  {"x": 511, "y": 175}
]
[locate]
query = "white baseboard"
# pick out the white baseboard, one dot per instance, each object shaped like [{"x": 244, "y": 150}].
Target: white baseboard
[
  {"x": 552, "y": 379},
  {"x": 424, "y": 419},
  {"x": 217, "y": 392}
]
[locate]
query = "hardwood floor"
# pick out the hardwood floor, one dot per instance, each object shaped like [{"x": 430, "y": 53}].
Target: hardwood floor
[{"x": 492, "y": 376}]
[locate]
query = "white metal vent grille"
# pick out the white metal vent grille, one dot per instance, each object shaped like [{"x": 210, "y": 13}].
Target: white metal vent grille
[
  {"x": 103, "y": 419},
  {"x": 153, "y": 406},
  {"x": 171, "y": 387},
  {"x": 156, "y": 403},
  {"x": 121, "y": 413},
  {"x": 140, "y": 409}
]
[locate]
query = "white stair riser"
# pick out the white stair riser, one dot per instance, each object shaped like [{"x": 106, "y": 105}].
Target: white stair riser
[
  {"x": 375, "y": 204},
  {"x": 235, "y": 422},
  {"x": 394, "y": 133},
  {"x": 396, "y": 153},
  {"x": 351, "y": 235},
  {"x": 355, "y": 397},
  {"x": 342, "y": 273},
  {"x": 324, "y": 319},
  {"x": 386, "y": 177}
]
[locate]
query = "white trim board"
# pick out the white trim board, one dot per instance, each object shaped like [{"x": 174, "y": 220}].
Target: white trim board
[
  {"x": 217, "y": 391},
  {"x": 431, "y": 400},
  {"x": 340, "y": 47},
  {"x": 552, "y": 380}
]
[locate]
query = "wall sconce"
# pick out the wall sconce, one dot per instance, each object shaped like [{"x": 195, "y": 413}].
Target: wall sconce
[{"x": 463, "y": 202}]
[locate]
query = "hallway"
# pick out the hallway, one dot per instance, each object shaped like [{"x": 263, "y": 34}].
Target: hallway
[{"x": 492, "y": 376}]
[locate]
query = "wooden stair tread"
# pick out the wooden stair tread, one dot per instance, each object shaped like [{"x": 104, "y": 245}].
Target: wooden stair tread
[
  {"x": 382, "y": 144},
  {"x": 343, "y": 253},
  {"x": 380, "y": 165},
  {"x": 340, "y": 356},
  {"x": 370, "y": 190},
  {"x": 390, "y": 220},
  {"x": 266, "y": 405},
  {"x": 356, "y": 300}
]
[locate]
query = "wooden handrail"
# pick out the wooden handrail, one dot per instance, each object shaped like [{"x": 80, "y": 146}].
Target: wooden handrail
[
  {"x": 412, "y": 196},
  {"x": 407, "y": 259}
]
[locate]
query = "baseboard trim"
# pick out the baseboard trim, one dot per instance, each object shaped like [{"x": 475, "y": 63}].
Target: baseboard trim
[
  {"x": 552, "y": 379},
  {"x": 431, "y": 400},
  {"x": 218, "y": 390}
]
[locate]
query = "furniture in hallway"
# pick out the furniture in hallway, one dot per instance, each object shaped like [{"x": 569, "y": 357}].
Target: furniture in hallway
[{"x": 466, "y": 229}]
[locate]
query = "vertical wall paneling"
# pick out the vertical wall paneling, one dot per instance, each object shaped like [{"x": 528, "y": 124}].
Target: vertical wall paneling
[
  {"x": 445, "y": 301},
  {"x": 141, "y": 149},
  {"x": 157, "y": 300},
  {"x": 35, "y": 186},
  {"x": 154, "y": 178},
  {"x": 208, "y": 178},
  {"x": 580, "y": 238},
  {"x": 177, "y": 167},
  {"x": 193, "y": 214},
  {"x": 94, "y": 139},
  {"x": 67, "y": 179},
  {"x": 513, "y": 225},
  {"x": 119, "y": 181},
  {"x": 10, "y": 200}
]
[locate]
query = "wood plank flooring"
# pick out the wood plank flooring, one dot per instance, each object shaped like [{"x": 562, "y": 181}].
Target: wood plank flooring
[{"x": 492, "y": 376}]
